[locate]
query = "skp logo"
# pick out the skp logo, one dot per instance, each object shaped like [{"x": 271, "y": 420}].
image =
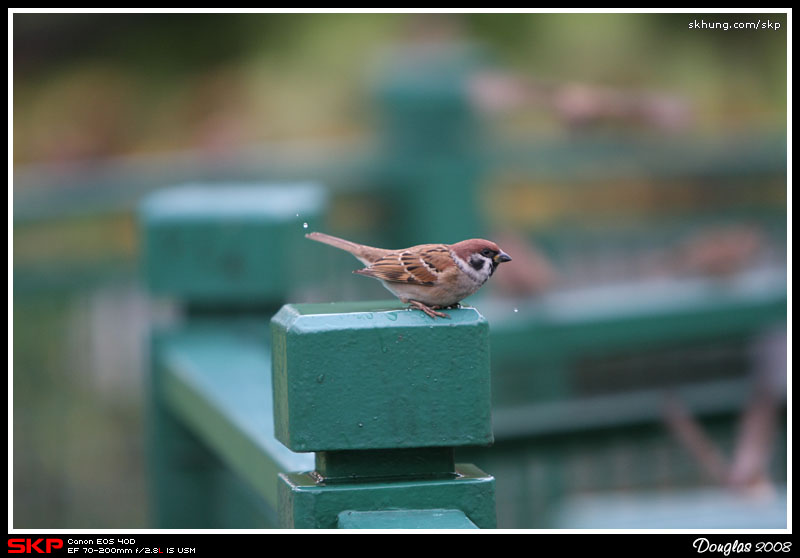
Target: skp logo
[{"x": 29, "y": 546}]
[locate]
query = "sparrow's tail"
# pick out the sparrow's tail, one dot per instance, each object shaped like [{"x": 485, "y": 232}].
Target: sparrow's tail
[{"x": 366, "y": 254}]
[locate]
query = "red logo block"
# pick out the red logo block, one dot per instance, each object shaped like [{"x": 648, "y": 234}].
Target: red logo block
[{"x": 29, "y": 546}]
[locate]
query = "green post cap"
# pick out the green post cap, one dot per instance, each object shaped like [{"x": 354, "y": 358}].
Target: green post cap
[
  {"x": 355, "y": 376},
  {"x": 228, "y": 243}
]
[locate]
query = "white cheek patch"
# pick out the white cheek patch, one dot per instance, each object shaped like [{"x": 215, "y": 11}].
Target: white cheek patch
[{"x": 479, "y": 275}]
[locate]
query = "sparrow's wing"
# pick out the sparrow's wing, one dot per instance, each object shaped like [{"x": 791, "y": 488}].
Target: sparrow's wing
[{"x": 420, "y": 265}]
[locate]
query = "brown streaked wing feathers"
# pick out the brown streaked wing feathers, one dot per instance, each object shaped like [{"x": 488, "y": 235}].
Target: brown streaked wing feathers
[{"x": 420, "y": 265}]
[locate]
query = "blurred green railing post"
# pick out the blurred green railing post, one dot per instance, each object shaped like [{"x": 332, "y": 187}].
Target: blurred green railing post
[
  {"x": 431, "y": 145},
  {"x": 227, "y": 255},
  {"x": 383, "y": 395}
]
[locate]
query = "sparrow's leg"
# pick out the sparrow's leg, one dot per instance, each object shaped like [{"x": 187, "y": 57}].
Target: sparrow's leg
[{"x": 428, "y": 310}]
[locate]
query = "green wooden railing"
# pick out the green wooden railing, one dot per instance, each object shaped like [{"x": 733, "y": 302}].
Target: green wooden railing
[{"x": 323, "y": 416}]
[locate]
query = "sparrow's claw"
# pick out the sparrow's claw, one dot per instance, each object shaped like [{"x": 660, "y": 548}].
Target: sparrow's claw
[{"x": 428, "y": 310}]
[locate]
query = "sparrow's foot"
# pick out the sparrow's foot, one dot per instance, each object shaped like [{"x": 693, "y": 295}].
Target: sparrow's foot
[{"x": 428, "y": 310}]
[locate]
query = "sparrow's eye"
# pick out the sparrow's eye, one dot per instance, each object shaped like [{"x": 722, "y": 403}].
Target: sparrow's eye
[{"x": 486, "y": 252}]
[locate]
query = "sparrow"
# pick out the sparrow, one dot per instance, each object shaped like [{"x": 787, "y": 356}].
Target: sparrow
[{"x": 429, "y": 276}]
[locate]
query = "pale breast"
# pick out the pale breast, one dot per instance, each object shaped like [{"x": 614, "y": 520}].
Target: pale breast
[{"x": 452, "y": 286}]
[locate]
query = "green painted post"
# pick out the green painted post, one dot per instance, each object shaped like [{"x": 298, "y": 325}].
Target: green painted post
[
  {"x": 383, "y": 395},
  {"x": 180, "y": 468},
  {"x": 226, "y": 253},
  {"x": 230, "y": 247}
]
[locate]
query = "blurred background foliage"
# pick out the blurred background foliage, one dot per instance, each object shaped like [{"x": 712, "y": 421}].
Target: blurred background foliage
[
  {"x": 95, "y": 85},
  {"x": 103, "y": 99}
]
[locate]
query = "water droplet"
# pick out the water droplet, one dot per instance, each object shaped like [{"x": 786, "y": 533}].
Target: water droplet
[
  {"x": 361, "y": 425},
  {"x": 516, "y": 309},
  {"x": 297, "y": 215},
  {"x": 305, "y": 225}
]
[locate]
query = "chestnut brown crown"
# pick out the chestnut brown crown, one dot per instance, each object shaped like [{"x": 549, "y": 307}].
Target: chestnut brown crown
[{"x": 486, "y": 248}]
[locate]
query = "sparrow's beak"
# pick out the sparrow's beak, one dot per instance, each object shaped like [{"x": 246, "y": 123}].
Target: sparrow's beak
[{"x": 502, "y": 257}]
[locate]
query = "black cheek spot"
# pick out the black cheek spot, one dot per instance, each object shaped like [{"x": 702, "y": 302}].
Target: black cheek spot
[{"x": 476, "y": 263}]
